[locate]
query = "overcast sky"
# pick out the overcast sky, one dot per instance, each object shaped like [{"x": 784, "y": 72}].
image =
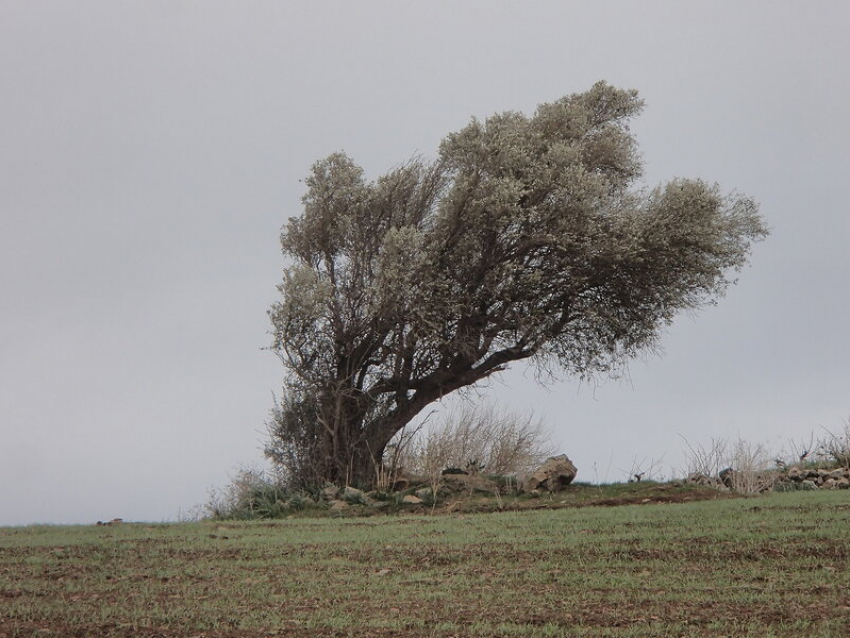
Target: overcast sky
[{"x": 151, "y": 151}]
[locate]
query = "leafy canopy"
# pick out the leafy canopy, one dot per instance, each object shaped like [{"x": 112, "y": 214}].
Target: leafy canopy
[{"x": 525, "y": 239}]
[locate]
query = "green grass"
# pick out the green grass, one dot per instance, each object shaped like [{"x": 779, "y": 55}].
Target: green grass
[{"x": 777, "y": 565}]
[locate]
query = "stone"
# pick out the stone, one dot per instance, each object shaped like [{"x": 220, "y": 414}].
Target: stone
[
  {"x": 353, "y": 494},
  {"x": 410, "y": 499},
  {"x": 696, "y": 478},
  {"x": 114, "y": 521},
  {"x": 338, "y": 506},
  {"x": 809, "y": 485},
  {"x": 554, "y": 475},
  {"x": 796, "y": 473},
  {"x": 330, "y": 493}
]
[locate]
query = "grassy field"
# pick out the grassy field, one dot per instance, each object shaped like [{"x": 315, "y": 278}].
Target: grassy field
[{"x": 777, "y": 565}]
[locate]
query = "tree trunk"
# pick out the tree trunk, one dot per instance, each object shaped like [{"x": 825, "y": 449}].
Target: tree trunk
[{"x": 358, "y": 459}]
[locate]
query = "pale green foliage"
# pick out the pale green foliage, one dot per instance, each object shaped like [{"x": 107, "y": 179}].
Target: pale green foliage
[{"x": 525, "y": 239}]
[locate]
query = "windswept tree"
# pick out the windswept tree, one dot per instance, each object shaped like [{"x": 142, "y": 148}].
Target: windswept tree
[{"x": 526, "y": 239}]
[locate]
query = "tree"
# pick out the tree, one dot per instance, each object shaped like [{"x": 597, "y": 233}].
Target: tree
[{"x": 525, "y": 239}]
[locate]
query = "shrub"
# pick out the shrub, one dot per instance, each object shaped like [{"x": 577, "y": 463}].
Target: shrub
[
  {"x": 292, "y": 444},
  {"x": 479, "y": 438},
  {"x": 835, "y": 446},
  {"x": 253, "y": 494},
  {"x": 740, "y": 465}
]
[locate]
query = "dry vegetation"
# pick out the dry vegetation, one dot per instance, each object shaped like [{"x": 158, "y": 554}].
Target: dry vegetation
[
  {"x": 750, "y": 468},
  {"x": 476, "y": 438}
]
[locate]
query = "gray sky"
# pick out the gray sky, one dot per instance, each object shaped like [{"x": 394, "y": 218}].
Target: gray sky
[{"x": 151, "y": 151}]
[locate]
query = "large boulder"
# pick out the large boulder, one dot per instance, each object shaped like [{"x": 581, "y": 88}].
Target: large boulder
[{"x": 554, "y": 475}]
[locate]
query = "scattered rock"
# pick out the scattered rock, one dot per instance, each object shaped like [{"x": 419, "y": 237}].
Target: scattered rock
[
  {"x": 814, "y": 478},
  {"x": 554, "y": 475},
  {"x": 410, "y": 499}
]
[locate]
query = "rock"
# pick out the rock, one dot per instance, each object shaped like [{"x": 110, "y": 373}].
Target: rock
[
  {"x": 837, "y": 474},
  {"x": 330, "y": 493},
  {"x": 554, "y": 475},
  {"x": 410, "y": 499},
  {"x": 809, "y": 485},
  {"x": 338, "y": 506},
  {"x": 727, "y": 477},
  {"x": 114, "y": 521},
  {"x": 842, "y": 483},
  {"x": 353, "y": 494},
  {"x": 829, "y": 483},
  {"x": 696, "y": 478},
  {"x": 796, "y": 473}
]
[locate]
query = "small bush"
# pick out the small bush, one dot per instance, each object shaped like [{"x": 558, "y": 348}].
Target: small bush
[
  {"x": 478, "y": 439},
  {"x": 254, "y": 494},
  {"x": 742, "y": 466},
  {"x": 835, "y": 446},
  {"x": 750, "y": 468},
  {"x": 354, "y": 497}
]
